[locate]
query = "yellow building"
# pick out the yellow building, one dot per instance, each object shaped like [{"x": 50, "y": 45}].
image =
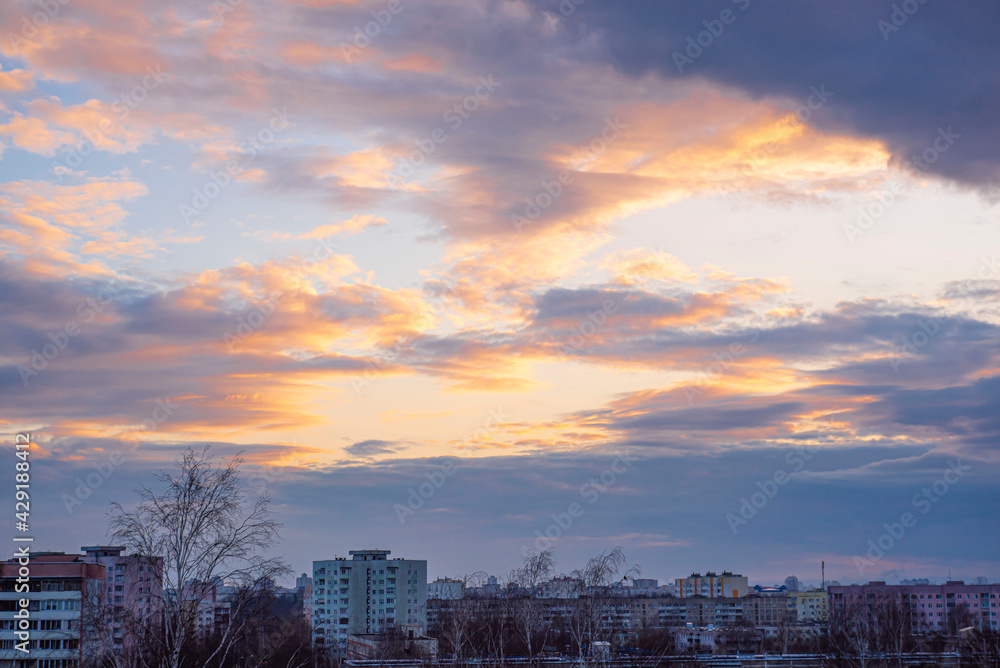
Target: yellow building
[
  {"x": 809, "y": 606},
  {"x": 713, "y": 585}
]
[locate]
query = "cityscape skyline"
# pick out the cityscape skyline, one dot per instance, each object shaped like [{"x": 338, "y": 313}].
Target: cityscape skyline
[{"x": 712, "y": 281}]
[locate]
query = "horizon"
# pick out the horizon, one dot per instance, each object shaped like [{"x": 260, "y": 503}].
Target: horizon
[{"x": 713, "y": 282}]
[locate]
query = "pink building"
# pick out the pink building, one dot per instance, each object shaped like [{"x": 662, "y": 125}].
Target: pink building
[
  {"x": 930, "y": 605},
  {"x": 133, "y": 584}
]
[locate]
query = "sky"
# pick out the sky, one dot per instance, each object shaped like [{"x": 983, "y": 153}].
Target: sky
[{"x": 715, "y": 282}]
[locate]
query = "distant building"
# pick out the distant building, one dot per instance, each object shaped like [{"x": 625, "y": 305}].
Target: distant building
[
  {"x": 792, "y": 583},
  {"x": 808, "y": 606},
  {"x": 697, "y": 640},
  {"x": 930, "y": 605},
  {"x": 981, "y": 580},
  {"x": 367, "y": 594},
  {"x": 564, "y": 587},
  {"x": 770, "y": 591},
  {"x": 133, "y": 588},
  {"x": 651, "y": 588},
  {"x": 304, "y": 584},
  {"x": 446, "y": 588},
  {"x": 374, "y": 647},
  {"x": 915, "y": 581},
  {"x": 768, "y": 610},
  {"x": 710, "y": 584}
]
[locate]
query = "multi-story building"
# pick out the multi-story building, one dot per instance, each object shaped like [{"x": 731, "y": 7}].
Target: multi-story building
[
  {"x": 767, "y": 610},
  {"x": 792, "y": 583},
  {"x": 808, "y": 606},
  {"x": 368, "y": 593},
  {"x": 304, "y": 584},
  {"x": 713, "y": 585},
  {"x": 931, "y": 606},
  {"x": 694, "y": 640},
  {"x": 61, "y": 620},
  {"x": 446, "y": 588},
  {"x": 133, "y": 589},
  {"x": 562, "y": 587}
]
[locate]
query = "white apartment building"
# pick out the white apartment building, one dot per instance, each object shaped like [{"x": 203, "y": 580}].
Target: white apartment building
[
  {"x": 446, "y": 589},
  {"x": 368, "y": 593}
]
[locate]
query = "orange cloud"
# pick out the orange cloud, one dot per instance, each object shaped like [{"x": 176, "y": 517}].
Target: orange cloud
[
  {"x": 34, "y": 135},
  {"x": 414, "y": 62},
  {"x": 16, "y": 81},
  {"x": 353, "y": 225}
]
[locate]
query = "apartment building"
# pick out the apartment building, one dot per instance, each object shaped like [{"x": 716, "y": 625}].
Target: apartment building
[
  {"x": 931, "y": 606},
  {"x": 446, "y": 588},
  {"x": 712, "y": 585},
  {"x": 767, "y": 610},
  {"x": 133, "y": 591},
  {"x": 808, "y": 606},
  {"x": 60, "y": 621},
  {"x": 368, "y": 593}
]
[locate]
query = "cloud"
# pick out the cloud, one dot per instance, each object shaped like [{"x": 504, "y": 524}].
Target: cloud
[
  {"x": 373, "y": 447},
  {"x": 763, "y": 51}
]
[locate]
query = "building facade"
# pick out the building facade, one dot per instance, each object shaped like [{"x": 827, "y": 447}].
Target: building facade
[
  {"x": 446, "y": 588},
  {"x": 730, "y": 585},
  {"x": 60, "y": 622},
  {"x": 808, "y": 606},
  {"x": 368, "y": 593},
  {"x": 133, "y": 591},
  {"x": 931, "y": 607}
]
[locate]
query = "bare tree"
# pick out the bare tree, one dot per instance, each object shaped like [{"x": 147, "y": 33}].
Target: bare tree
[
  {"x": 459, "y": 619},
  {"x": 981, "y": 647},
  {"x": 594, "y": 610},
  {"x": 199, "y": 525},
  {"x": 528, "y": 613},
  {"x": 851, "y": 634}
]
